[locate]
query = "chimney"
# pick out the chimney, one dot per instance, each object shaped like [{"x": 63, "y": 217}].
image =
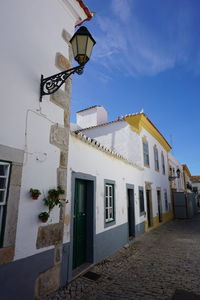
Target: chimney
[{"x": 91, "y": 116}]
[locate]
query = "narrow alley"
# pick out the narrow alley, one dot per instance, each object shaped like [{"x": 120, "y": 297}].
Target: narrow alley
[{"x": 158, "y": 265}]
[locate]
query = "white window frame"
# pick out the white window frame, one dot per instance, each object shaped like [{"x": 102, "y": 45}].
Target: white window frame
[
  {"x": 5, "y": 191},
  {"x": 109, "y": 203}
]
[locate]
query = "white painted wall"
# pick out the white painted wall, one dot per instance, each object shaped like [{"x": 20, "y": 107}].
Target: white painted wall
[
  {"x": 87, "y": 159},
  {"x": 118, "y": 137},
  {"x": 178, "y": 183},
  {"x": 158, "y": 179},
  {"x": 30, "y": 38},
  {"x": 196, "y": 184}
]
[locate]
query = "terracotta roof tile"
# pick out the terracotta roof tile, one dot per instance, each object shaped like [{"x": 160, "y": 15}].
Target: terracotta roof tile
[
  {"x": 100, "y": 125},
  {"x": 195, "y": 179},
  {"x": 86, "y": 10},
  {"x": 101, "y": 147}
]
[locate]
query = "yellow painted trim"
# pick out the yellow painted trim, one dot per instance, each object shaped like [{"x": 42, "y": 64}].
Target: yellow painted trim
[
  {"x": 185, "y": 168},
  {"x": 140, "y": 121},
  {"x": 166, "y": 218},
  {"x": 135, "y": 123}
]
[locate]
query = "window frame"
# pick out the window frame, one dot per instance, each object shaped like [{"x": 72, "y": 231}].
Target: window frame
[
  {"x": 3, "y": 204},
  {"x": 107, "y": 197},
  {"x": 146, "y": 157},
  {"x": 141, "y": 189},
  {"x": 166, "y": 201},
  {"x": 156, "y": 158},
  {"x": 163, "y": 163}
]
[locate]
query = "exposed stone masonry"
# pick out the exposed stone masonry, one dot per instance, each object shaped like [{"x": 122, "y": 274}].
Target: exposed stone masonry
[{"x": 52, "y": 234}]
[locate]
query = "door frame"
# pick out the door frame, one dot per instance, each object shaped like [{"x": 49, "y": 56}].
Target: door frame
[
  {"x": 131, "y": 187},
  {"x": 80, "y": 223},
  {"x": 91, "y": 216},
  {"x": 149, "y": 211},
  {"x": 159, "y": 205}
]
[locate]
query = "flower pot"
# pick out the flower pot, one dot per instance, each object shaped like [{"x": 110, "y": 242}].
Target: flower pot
[
  {"x": 43, "y": 217},
  {"x": 34, "y": 197}
]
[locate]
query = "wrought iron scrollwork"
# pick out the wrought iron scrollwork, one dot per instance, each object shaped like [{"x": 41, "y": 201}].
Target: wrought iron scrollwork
[{"x": 51, "y": 84}]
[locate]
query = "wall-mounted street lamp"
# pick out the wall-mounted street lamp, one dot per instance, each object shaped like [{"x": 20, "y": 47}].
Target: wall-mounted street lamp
[
  {"x": 178, "y": 172},
  {"x": 82, "y": 43}
]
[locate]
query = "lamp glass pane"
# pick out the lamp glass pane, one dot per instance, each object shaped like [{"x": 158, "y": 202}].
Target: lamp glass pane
[
  {"x": 90, "y": 45},
  {"x": 74, "y": 46},
  {"x": 82, "y": 43}
]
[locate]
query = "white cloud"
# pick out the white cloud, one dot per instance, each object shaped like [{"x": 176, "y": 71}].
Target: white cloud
[
  {"x": 127, "y": 44},
  {"x": 121, "y": 8}
]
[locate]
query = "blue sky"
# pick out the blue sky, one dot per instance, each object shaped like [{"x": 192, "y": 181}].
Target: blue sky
[{"x": 147, "y": 56}]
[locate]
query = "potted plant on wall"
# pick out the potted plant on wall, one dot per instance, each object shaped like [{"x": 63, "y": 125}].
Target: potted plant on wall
[
  {"x": 35, "y": 193},
  {"x": 51, "y": 201},
  {"x": 43, "y": 216}
]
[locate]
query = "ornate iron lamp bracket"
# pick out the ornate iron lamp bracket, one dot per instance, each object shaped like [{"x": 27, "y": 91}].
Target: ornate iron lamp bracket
[{"x": 50, "y": 85}]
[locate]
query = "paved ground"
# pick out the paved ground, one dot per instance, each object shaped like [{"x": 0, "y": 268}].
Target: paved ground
[{"x": 155, "y": 266}]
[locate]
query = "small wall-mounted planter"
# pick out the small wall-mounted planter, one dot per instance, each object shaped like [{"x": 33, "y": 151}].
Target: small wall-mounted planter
[
  {"x": 34, "y": 197},
  {"x": 35, "y": 193},
  {"x": 43, "y": 216}
]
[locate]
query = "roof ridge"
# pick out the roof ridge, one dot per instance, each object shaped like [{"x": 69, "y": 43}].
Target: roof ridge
[
  {"x": 89, "y": 108},
  {"x": 99, "y": 125}
]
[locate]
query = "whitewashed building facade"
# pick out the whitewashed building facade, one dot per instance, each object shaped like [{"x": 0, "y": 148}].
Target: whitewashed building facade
[
  {"x": 140, "y": 142},
  {"x": 33, "y": 141},
  {"x": 177, "y": 182}
]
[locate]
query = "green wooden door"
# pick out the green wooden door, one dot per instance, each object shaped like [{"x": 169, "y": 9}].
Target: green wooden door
[
  {"x": 131, "y": 212},
  {"x": 79, "y": 243},
  {"x": 159, "y": 206}
]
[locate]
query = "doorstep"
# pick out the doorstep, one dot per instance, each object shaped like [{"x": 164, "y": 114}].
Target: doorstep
[{"x": 81, "y": 270}]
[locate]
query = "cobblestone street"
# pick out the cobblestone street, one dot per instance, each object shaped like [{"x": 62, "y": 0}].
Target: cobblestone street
[{"x": 154, "y": 266}]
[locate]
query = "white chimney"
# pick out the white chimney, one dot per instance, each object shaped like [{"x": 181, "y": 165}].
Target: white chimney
[{"x": 91, "y": 116}]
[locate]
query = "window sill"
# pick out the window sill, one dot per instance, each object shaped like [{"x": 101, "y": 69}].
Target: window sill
[
  {"x": 110, "y": 223},
  {"x": 147, "y": 166}
]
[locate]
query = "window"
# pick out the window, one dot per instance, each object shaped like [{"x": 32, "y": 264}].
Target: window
[
  {"x": 166, "y": 201},
  {"x": 4, "y": 179},
  {"x": 156, "y": 158},
  {"x": 141, "y": 200},
  {"x": 163, "y": 163},
  {"x": 109, "y": 203},
  {"x": 146, "y": 153}
]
